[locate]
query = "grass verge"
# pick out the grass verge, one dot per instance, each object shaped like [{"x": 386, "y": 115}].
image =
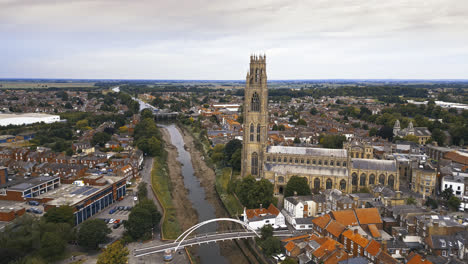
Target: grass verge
[{"x": 162, "y": 186}]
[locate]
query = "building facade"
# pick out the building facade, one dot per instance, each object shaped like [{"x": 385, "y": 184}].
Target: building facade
[{"x": 349, "y": 169}]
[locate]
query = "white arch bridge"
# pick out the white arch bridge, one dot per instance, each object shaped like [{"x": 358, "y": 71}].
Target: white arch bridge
[{"x": 184, "y": 240}]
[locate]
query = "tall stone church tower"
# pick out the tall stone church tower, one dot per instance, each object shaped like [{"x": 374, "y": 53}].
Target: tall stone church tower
[{"x": 255, "y": 118}]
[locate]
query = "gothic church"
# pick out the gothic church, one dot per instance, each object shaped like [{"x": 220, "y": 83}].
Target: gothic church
[{"x": 348, "y": 169}]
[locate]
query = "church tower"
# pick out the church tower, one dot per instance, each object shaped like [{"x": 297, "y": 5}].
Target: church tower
[{"x": 255, "y": 118}]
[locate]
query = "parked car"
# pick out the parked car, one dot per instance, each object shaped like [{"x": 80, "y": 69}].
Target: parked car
[
  {"x": 121, "y": 208},
  {"x": 128, "y": 208},
  {"x": 111, "y": 211},
  {"x": 111, "y": 221},
  {"x": 117, "y": 225},
  {"x": 33, "y": 203},
  {"x": 117, "y": 221},
  {"x": 34, "y": 210}
]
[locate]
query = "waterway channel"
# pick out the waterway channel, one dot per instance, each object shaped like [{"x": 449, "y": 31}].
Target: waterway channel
[{"x": 208, "y": 253}]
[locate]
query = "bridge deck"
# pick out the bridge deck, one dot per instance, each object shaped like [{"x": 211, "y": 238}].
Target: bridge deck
[{"x": 204, "y": 239}]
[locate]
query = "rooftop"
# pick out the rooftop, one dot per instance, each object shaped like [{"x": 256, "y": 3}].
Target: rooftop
[
  {"x": 340, "y": 153},
  {"x": 303, "y": 169},
  {"x": 372, "y": 164}
]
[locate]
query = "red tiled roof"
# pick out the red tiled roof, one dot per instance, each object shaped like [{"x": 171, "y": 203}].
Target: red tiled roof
[
  {"x": 356, "y": 238},
  {"x": 345, "y": 217},
  {"x": 290, "y": 246},
  {"x": 415, "y": 258},
  {"x": 374, "y": 231},
  {"x": 321, "y": 221},
  {"x": 256, "y": 212},
  {"x": 373, "y": 248},
  {"x": 335, "y": 228},
  {"x": 368, "y": 216},
  {"x": 327, "y": 246}
]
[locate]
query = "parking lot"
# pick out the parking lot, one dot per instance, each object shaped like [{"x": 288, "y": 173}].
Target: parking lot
[{"x": 118, "y": 214}]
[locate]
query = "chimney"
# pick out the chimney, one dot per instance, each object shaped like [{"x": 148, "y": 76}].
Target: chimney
[
  {"x": 295, "y": 193},
  {"x": 355, "y": 231},
  {"x": 260, "y": 206}
]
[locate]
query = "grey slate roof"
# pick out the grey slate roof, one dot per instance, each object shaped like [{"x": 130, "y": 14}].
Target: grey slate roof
[
  {"x": 357, "y": 260},
  {"x": 340, "y": 153},
  {"x": 304, "y": 221},
  {"x": 371, "y": 164},
  {"x": 303, "y": 169}
]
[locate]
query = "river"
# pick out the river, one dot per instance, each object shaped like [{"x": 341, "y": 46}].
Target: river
[{"x": 209, "y": 253}]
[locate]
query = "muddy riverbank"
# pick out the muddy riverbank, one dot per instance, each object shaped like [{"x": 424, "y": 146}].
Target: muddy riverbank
[{"x": 207, "y": 178}]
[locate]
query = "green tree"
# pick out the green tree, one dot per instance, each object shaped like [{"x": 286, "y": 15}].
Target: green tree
[
  {"x": 432, "y": 203},
  {"x": 115, "y": 253},
  {"x": 149, "y": 206},
  {"x": 411, "y": 138},
  {"x": 139, "y": 223},
  {"x": 252, "y": 193},
  {"x": 147, "y": 113},
  {"x": 447, "y": 193},
  {"x": 438, "y": 136},
  {"x": 332, "y": 141},
  {"x": 52, "y": 245},
  {"x": 313, "y": 111},
  {"x": 142, "y": 191},
  {"x": 372, "y": 132},
  {"x": 271, "y": 245},
  {"x": 266, "y": 231},
  {"x": 301, "y": 122},
  {"x": 231, "y": 147},
  {"x": 281, "y": 127},
  {"x": 289, "y": 260},
  {"x": 275, "y": 127},
  {"x": 236, "y": 160},
  {"x": 92, "y": 233},
  {"x": 82, "y": 124},
  {"x": 410, "y": 200},
  {"x": 296, "y": 140},
  {"x": 100, "y": 138},
  {"x": 61, "y": 214},
  {"x": 151, "y": 146},
  {"x": 297, "y": 184},
  {"x": 454, "y": 203}
]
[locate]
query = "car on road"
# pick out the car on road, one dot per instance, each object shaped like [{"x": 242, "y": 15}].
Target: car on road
[
  {"x": 34, "y": 210},
  {"x": 33, "y": 203}
]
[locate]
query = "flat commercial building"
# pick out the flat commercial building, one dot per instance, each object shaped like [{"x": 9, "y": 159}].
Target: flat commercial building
[
  {"x": 87, "y": 200},
  {"x": 27, "y": 118}
]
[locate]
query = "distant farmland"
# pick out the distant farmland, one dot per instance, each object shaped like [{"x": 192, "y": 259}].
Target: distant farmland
[{"x": 42, "y": 85}]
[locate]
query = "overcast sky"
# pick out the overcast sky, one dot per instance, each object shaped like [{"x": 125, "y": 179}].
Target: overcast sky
[{"x": 213, "y": 39}]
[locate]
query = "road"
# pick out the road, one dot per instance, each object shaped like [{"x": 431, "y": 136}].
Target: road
[{"x": 204, "y": 239}]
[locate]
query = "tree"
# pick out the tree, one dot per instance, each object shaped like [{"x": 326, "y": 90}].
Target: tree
[
  {"x": 100, "y": 138},
  {"x": 411, "y": 138},
  {"x": 147, "y": 113},
  {"x": 447, "y": 193},
  {"x": 332, "y": 141},
  {"x": 151, "y": 146},
  {"x": 289, "y": 260},
  {"x": 454, "y": 203},
  {"x": 236, "y": 160},
  {"x": 266, "y": 231},
  {"x": 82, "y": 124},
  {"x": 297, "y": 184},
  {"x": 296, "y": 140},
  {"x": 410, "y": 200},
  {"x": 373, "y": 131},
  {"x": 252, "y": 193},
  {"x": 115, "y": 253},
  {"x": 301, "y": 122},
  {"x": 271, "y": 245},
  {"x": 139, "y": 223},
  {"x": 231, "y": 147},
  {"x": 313, "y": 111},
  {"x": 275, "y": 127},
  {"x": 149, "y": 205},
  {"x": 61, "y": 214},
  {"x": 92, "y": 233},
  {"x": 142, "y": 191},
  {"x": 281, "y": 127},
  {"x": 52, "y": 245},
  {"x": 432, "y": 203},
  {"x": 438, "y": 136},
  {"x": 385, "y": 132}
]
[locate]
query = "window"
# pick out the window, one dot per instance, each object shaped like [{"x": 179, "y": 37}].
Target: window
[
  {"x": 274, "y": 159},
  {"x": 255, "y": 103},
  {"x": 338, "y": 163},
  {"x": 296, "y": 161},
  {"x": 314, "y": 162},
  {"x": 319, "y": 162},
  {"x": 444, "y": 253},
  {"x": 251, "y": 132},
  {"x": 285, "y": 159},
  {"x": 308, "y": 161},
  {"x": 268, "y": 158},
  {"x": 344, "y": 163},
  {"x": 302, "y": 161},
  {"x": 254, "y": 163},
  {"x": 325, "y": 162},
  {"x": 331, "y": 163}
]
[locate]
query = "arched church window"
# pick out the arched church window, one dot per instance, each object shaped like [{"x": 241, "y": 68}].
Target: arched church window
[
  {"x": 254, "y": 163},
  {"x": 255, "y": 103},
  {"x": 252, "y": 132}
]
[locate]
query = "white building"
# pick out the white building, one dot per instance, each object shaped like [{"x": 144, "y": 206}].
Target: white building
[
  {"x": 257, "y": 218},
  {"x": 459, "y": 183},
  {"x": 27, "y": 118},
  {"x": 300, "y": 210}
]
